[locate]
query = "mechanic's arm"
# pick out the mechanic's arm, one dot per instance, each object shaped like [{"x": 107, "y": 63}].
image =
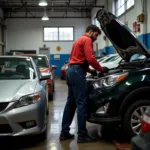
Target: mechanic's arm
[{"x": 89, "y": 54}]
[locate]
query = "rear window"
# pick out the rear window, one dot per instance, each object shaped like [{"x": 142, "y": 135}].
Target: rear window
[{"x": 40, "y": 61}]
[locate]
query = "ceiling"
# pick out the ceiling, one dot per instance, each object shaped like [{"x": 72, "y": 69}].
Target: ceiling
[{"x": 30, "y": 8}]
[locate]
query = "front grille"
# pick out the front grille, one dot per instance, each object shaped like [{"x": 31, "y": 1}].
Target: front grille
[
  {"x": 3, "y": 106},
  {"x": 5, "y": 129}
]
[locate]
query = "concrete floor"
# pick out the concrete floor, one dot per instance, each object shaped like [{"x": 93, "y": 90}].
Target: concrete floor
[{"x": 52, "y": 142}]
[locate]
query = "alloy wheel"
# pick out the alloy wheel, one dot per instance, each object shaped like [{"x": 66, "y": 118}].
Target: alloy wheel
[{"x": 136, "y": 118}]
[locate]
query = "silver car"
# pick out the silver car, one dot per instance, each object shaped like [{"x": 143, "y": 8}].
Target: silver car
[{"x": 23, "y": 97}]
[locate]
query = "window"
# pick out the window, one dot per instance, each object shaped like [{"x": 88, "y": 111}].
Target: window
[
  {"x": 50, "y": 34},
  {"x": 66, "y": 34},
  {"x": 130, "y": 3},
  {"x": 123, "y": 5},
  {"x": 58, "y": 34}
]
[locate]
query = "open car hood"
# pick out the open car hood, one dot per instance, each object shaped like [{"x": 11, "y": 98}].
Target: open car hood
[{"x": 123, "y": 39}]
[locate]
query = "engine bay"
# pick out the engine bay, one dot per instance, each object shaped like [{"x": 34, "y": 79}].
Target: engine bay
[{"x": 123, "y": 67}]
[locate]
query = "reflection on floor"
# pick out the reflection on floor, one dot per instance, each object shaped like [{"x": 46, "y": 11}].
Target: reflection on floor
[{"x": 52, "y": 142}]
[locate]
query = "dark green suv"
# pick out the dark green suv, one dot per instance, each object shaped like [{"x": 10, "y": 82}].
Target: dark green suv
[{"x": 121, "y": 96}]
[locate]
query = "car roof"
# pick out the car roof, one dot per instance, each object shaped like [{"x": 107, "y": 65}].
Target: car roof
[
  {"x": 30, "y": 55},
  {"x": 14, "y": 56}
]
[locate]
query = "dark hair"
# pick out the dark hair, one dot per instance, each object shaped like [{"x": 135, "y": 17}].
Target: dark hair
[
  {"x": 103, "y": 53},
  {"x": 94, "y": 28}
]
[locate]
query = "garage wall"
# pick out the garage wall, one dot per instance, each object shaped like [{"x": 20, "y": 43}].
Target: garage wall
[
  {"x": 130, "y": 17},
  {"x": 99, "y": 44},
  {"x": 27, "y": 34},
  {"x": 146, "y": 35}
]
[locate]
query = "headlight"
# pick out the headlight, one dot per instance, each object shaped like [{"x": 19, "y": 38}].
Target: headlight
[
  {"x": 109, "y": 80},
  {"x": 28, "y": 99}
]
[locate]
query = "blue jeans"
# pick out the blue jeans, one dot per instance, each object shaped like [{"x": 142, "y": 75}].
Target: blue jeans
[{"x": 77, "y": 95}]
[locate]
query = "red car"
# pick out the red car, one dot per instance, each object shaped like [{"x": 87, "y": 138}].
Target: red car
[
  {"x": 63, "y": 70},
  {"x": 43, "y": 64}
]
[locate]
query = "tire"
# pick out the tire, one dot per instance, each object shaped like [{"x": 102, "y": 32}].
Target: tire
[
  {"x": 43, "y": 135},
  {"x": 127, "y": 124}
]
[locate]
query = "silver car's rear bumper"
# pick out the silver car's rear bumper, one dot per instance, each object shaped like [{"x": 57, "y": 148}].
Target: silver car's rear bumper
[{"x": 13, "y": 120}]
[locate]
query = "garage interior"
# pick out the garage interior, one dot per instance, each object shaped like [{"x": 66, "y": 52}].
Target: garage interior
[{"x": 23, "y": 30}]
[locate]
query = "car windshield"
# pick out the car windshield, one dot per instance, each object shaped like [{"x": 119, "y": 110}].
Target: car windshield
[
  {"x": 16, "y": 68},
  {"x": 40, "y": 61},
  {"x": 101, "y": 59},
  {"x": 111, "y": 59},
  {"x": 108, "y": 59}
]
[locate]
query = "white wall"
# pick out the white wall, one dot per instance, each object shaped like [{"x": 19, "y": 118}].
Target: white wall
[
  {"x": 27, "y": 34},
  {"x": 147, "y": 17},
  {"x": 100, "y": 41},
  {"x": 130, "y": 16}
]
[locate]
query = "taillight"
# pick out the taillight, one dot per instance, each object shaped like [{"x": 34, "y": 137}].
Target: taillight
[{"x": 145, "y": 123}]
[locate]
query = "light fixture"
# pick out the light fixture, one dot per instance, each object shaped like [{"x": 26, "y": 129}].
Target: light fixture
[
  {"x": 52, "y": 7},
  {"x": 43, "y": 3},
  {"x": 45, "y": 17}
]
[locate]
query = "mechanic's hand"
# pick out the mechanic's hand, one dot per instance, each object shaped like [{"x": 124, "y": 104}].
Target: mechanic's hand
[
  {"x": 93, "y": 72},
  {"x": 105, "y": 70},
  {"x": 100, "y": 74}
]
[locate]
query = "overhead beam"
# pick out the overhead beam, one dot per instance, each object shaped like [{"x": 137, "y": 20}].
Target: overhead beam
[
  {"x": 10, "y": 4},
  {"x": 35, "y": 6},
  {"x": 49, "y": 17},
  {"x": 41, "y": 10},
  {"x": 24, "y": 4}
]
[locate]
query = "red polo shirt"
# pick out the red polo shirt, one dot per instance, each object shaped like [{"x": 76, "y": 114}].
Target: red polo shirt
[{"x": 82, "y": 49}]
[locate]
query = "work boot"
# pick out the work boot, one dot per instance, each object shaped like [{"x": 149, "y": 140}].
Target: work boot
[
  {"x": 86, "y": 139},
  {"x": 66, "y": 137}
]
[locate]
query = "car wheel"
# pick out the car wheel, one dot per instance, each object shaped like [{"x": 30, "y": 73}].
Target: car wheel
[
  {"x": 133, "y": 116},
  {"x": 43, "y": 135}
]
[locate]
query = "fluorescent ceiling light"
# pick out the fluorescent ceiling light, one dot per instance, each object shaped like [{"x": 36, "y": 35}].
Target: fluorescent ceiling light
[
  {"x": 43, "y": 3},
  {"x": 45, "y": 18}
]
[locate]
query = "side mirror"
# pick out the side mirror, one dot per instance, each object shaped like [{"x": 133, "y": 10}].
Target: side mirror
[
  {"x": 45, "y": 76},
  {"x": 54, "y": 67}
]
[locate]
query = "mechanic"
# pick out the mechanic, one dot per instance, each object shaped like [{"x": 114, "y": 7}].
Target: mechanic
[
  {"x": 103, "y": 54},
  {"x": 82, "y": 55}
]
